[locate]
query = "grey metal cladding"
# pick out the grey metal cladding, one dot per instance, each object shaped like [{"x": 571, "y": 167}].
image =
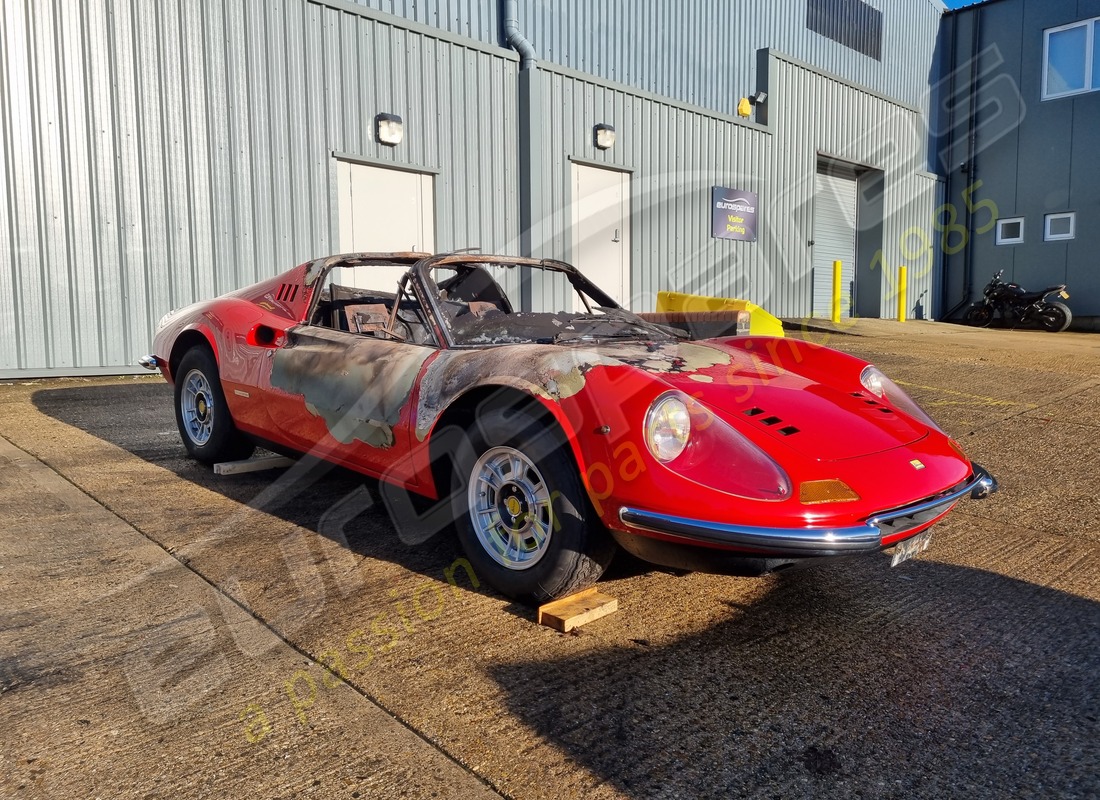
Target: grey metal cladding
[
  {"x": 703, "y": 52},
  {"x": 182, "y": 150},
  {"x": 670, "y": 185},
  {"x": 477, "y": 19},
  {"x": 851, "y": 23}
]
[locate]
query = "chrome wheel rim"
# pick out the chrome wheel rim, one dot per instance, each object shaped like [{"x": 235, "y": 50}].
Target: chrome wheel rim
[
  {"x": 197, "y": 408},
  {"x": 510, "y": 508}
]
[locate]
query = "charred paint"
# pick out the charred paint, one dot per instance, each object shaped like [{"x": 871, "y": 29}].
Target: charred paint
[
  {"x": 543, "y": 370},
  {"x": 549, "y": 371},
  {"x": 358, "y": 388}
]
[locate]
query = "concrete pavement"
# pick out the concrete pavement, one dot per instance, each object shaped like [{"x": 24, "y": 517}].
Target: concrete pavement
[
  {"x": 182, "y": 639},
  {"x": 125, "y": 674}
]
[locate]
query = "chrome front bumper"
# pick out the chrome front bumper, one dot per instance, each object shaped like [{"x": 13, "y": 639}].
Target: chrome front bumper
[
  {"x": 149, "y": 362},
  {"x": 811, "y": 542}
]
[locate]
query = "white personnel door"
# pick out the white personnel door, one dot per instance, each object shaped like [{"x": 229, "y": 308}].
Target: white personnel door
[
  {"x": 834, "y": 240},
  {"x": 601, "y": 229},
  {"x": 385, "y": 210}
]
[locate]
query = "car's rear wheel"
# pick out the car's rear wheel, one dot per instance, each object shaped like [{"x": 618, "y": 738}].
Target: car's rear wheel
[
  {"x": 202, "y": 414},
  {"x": 521, "y": 512}
]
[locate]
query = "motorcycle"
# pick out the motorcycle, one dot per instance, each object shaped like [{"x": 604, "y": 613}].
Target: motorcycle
[{"x": 1018, "y": 306}]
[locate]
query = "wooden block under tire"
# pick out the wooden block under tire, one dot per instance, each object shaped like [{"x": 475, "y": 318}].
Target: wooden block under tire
[
  {"x": 252, "y": 465},
  {"x": 577, "y": 609}
]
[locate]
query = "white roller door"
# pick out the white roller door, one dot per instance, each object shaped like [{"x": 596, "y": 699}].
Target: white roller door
[{"x": 834, "y": 240}]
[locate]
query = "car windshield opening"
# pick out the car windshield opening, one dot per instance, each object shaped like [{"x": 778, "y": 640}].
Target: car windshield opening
[{"x": 482, "y": 303}]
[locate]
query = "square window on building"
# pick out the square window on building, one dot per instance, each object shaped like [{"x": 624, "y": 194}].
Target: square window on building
[
  {"x": 1010, "y": 231},
  {"x": 1071, "y": 59},
  {"x": 1059, "y": 226}
]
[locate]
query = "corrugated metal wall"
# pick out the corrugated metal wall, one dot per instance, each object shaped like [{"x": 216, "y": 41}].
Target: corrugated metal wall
[
  {"x": 476, "y": 19},
  {"x": 696, "y": 51},
  {"x": 814, "y": 116},
  {"x": 676, "y": 153},
  {"x": 153, "y": 154}
]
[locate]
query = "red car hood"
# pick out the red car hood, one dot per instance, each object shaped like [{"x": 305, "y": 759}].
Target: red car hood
[{"x": 822, "y": 418}]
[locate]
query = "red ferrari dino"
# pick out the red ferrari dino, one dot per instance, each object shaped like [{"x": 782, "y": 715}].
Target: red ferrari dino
[{"x": 552, "y": 425}]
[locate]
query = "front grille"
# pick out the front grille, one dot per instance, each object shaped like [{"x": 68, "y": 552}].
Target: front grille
[
  {"x": 892, "y": 523},
  {"x": 901, "y": 524}
]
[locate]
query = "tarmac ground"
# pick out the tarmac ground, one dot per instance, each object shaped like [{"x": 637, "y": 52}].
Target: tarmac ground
[{"x": 168, "y": 632}]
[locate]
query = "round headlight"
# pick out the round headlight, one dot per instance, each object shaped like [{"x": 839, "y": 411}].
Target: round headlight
[
  {"x": 667, "y": 427},
  {"x": 871, "y": 379},
  {"x": 882, "y": 387}
]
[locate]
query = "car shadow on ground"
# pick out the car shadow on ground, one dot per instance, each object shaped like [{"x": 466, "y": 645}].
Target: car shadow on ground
[
  {"x": 385, "y": 525},
  {"x": 846, "y": 680},
  {"x": 932, "y": 680}
]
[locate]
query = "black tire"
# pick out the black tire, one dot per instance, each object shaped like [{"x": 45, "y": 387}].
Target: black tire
[
  {"x": 202, "y": 414},
  {"x": 979, "y": 315},
  {"x": 544, "y": 495},
  {"x": 1055, "y": 317}
]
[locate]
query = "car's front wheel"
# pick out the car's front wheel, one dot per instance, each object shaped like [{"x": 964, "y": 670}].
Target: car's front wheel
[
  {"x": 202, "y": 414},
  {"x": 521, "y": 512}
]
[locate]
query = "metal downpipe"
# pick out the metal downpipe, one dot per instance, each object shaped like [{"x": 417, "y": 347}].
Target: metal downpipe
[{"x": 514, "y": 36}]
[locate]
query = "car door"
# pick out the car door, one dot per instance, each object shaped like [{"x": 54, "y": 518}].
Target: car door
[{"x": 347, "y": 396}]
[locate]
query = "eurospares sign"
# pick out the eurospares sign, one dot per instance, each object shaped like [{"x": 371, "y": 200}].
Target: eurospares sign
[{"x": 733, "y": 214}]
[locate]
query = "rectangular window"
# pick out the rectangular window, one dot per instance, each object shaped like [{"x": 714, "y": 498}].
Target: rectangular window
[
  {"x": 1060, "y": 226},
  {"x": 1096, "y": 54},
  {"x": 1010, "y": 231},
  {"x": 1071, "y": 59},
  {"x": 852, "y": 23}
]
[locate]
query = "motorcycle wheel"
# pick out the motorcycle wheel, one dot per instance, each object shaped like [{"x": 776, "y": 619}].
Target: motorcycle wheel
[
  {"x": 979, "y": 314},
  {"x": 1055, "y": 317}
]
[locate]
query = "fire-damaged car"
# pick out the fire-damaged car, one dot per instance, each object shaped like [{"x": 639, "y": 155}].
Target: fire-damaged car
[{"x": 554, "y": 426}]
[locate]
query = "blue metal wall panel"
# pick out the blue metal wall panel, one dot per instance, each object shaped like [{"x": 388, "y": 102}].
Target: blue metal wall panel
[{"x": 1033, "y": 157}]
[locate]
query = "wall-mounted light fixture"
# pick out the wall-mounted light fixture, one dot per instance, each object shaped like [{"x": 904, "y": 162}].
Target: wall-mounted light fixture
[
  {"x": 605, "y": 135},
  {"x": 389, "y": 129},
  {"x": 744, "y": 107}
]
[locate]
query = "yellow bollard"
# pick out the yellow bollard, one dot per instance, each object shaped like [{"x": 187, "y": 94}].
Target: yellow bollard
[
  {"x": 901, "y": 293},
  {"x": 836, "y": 291}
]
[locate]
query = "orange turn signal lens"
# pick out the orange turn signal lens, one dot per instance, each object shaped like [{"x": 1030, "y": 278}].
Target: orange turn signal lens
[
  {"x": 957, "y": 448},
  {"x": 830, "y": 491}
]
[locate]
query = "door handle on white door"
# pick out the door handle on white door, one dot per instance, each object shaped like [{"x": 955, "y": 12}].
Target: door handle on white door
[{"x": 616, "y": 235}]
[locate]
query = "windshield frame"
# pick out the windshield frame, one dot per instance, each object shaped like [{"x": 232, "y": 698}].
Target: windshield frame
[{"x": 429, "y": 291}]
